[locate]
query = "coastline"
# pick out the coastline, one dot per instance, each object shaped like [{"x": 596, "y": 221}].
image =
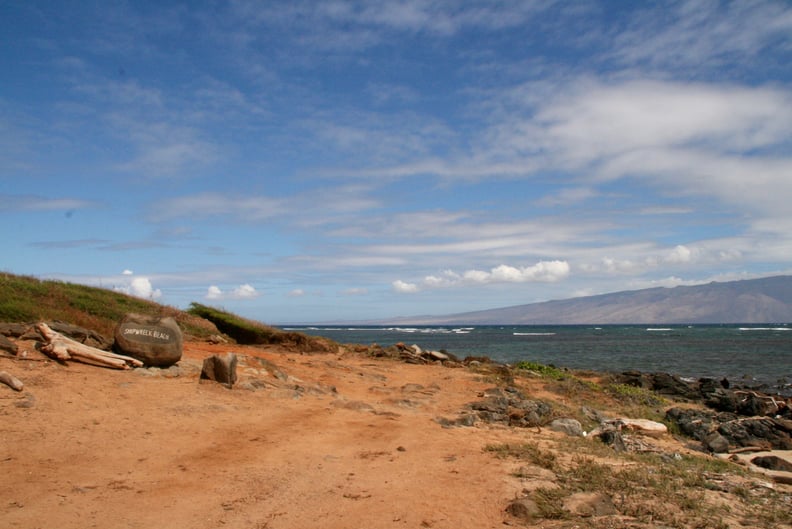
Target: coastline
[
  {"x": 351, "y": 437},
  {"x": 745, "y": 355}
]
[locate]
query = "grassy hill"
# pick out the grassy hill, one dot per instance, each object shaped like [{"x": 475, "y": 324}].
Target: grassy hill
[{"x": 26, "y": 299}]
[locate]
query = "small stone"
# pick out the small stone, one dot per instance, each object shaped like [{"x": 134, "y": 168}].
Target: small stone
[
  {"x": 571, "y": 427},
  {"x": 587, "y": 504},
  {"x": 28, "y": 402},
  {"x": 437, "y": 355},
  {"x": 613, "y": 438},
  {"x": 524, "y": 509}
]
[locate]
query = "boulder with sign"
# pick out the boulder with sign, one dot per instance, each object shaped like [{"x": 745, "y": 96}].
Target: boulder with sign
[{"x": 157, "y": 342}]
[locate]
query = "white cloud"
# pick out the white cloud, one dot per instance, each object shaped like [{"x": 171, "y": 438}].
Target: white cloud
[
  {"x": 680, "y": 254},
  {"x": 594, "y": 121},
  {"x": 476, "y": 276},
  {"x": 127, "y": 272},
  {"x": 296, "y": 293},
  {"x": 214, "y": 292},
  {"x": 140, "y": 287},
  {"x": 405, "y": 288},
  {"x": 543, "y": 271},
  {"x": 245, "y": 291}
]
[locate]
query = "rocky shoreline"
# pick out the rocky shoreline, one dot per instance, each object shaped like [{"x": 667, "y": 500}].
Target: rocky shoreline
[
  {"x": 734, "y": 417},
  {"x": 574, "y": 447}
]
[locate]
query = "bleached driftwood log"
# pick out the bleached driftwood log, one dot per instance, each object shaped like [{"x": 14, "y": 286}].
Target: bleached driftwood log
[
  {"x": 11, "y": 381},
  {"x": 63, "y": 348}
]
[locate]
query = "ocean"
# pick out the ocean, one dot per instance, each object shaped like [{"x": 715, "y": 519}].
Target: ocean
[{"x": 750, "y": 354}]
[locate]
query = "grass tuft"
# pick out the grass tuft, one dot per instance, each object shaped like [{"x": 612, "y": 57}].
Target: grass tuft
[{"x": 545, "y": 371}]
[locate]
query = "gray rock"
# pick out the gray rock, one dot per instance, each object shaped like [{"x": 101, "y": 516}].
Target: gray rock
[
  {"x": 693, "y": 423},
  {"x": 772, "y": 463},
  {"x": 752, "y": 406},
  {"x": 524, "y": 509},
  {"x": 571, "y": 427},
  {"x": 156, "y": 342},
  {"x": 510, "y": 406},
  {"x": 757, "y": 431},
  {"x": 82, "y": 335},
  {"x": 15, "y": 330},
  {"x": 7, "y": 345},
  {"x": 437, "y": 355},
  {"x": 716, "y": 443},
  {"x": 613, "y": 438},
  {"x": 220, "y": 369}
]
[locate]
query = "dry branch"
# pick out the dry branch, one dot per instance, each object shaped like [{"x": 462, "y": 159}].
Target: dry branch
[
  {"x": 63, "y": 348},
  {"x": 11, "y": 381}
]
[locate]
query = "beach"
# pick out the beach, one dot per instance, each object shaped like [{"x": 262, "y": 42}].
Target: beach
[{"x": 331, "y": 440}]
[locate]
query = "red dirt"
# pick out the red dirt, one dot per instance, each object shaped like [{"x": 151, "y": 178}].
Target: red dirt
[{"x": 104, "y": 448}]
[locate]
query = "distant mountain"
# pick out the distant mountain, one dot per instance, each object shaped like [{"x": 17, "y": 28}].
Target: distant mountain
[{"x": 767, "y": 300}]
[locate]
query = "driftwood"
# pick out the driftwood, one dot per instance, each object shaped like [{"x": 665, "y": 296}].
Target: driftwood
[
  {"x": 11, "y": 381},
  {"x": 62, "y": 348},
  {"x": 747, "y": 449}
]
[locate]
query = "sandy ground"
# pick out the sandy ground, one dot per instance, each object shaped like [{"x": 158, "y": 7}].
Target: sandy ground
[
  {"x": 355, "y": 444},
  {"x": 302, "y": 441}
]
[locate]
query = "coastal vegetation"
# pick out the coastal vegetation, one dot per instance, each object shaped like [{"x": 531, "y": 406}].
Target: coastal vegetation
[
  {"x": 25, "y": 299},
  {"x": 249, "y": 332},
  {"x": 659, "y": 483},
  {"x": 28, "y": 299},
  {"x": 679, "y": 490}
]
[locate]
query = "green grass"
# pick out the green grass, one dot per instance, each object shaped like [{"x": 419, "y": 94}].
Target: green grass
[
  {"x": 595, "y": 390},
  {"x": 245, "y": 331},
  {"x": 545, "y": 371},
  {"x": 25, "y": 299},
  {"x": 524, "y": 452}
]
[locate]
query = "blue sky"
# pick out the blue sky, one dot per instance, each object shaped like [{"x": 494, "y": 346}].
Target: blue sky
[{"x": 310, "y": 161}]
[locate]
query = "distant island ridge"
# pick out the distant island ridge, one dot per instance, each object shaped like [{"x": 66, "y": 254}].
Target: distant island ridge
[{"x": 750, "y": 301}]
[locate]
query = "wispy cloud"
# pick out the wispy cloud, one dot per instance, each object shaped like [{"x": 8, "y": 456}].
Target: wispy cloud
[
  {"x": 40, "y": 203},
  {"x": 703, "y": 35},
  {"x": 238, "y": 207}
]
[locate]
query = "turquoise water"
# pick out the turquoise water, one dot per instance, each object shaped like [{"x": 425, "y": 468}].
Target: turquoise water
[{"x": 753, "y": 354}]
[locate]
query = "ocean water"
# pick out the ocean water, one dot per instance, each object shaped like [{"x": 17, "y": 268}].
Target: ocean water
[{"x": 749, "y": 354}]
